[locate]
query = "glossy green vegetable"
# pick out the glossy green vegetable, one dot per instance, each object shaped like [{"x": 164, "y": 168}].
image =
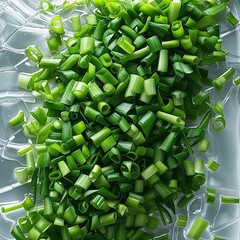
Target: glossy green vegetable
[{"x": 111, "y": 142}]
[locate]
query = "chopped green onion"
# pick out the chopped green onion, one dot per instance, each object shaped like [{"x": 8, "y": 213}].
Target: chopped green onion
[
  {"x": 17, "y": 120},
  {"x": 198, "y": 228}
]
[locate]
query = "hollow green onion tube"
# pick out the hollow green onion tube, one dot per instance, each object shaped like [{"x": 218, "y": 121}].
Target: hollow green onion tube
[
  {"x": 229, "y": 200},
  {"x": 87, "y": 45},
  {"x": 69, "y": 62},
  {"x": 46, "y": 6},
  {"x": 22, "y": 175},
  {"x": 170, "y": 44},
  {"x": 177, "y": 29},
  {"x": 211, "y": 195},
  {"x": 203, "y": 145},
  {"x": 135, "y": 85},
  {"x": 40, "y": 115},
  {"x": 130, "y": 170},
  {"x": 154, "y": 44},
  {"x": 139, "y": 41},
  {"x": 33, "y": 53},
  {"x": 30, "y": 163},
  {"x": 147, "y": 122},
  {"x": 12, "y": 207},
  {"x": 17, "y": 233},
  {"x": 106, "y": 77},
  {"x": 108, "y": 143},
  {"x": 223, "y": 78},
  {"x": 219, "y": 123},
  {"x": 49, "y": 63},
  {"x": 53, "y": 43},
  {"x": 109, "y": 89},
  {"x": 150, "y": 87},
  {"x": 80, "y": 90},
  {"x": 135, "y": 55},
  {"x": 198, "y": 228},
  {"x": 175, "y": 120},
  {"x": 163, "y": 61},
  {"x": 96, "y": 92},
  {"x": 17, "y": 120},
  {"x": 106, "y": 60},
  {"x": 216, "y": 9},
  {"x": 76, "y": 23},
  {"x": 24, "y": 81},
  {"x": 232, "y": 19},
  {"x": 124, "y": 44},
  {"x": 73, "y": 45},
  {"x": 174, "y": 9},
  {"x": 56, "y": 25},
  {"x": 191, "y": 59}
]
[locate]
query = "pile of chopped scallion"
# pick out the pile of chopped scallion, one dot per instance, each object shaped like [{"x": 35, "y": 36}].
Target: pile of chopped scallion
[{"x": 111, "y": 142}]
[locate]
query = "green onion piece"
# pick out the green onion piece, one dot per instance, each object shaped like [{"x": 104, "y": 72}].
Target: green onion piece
[
  {"x": 130, "y": 170},
  {"x": 72, "y": 45},
  {"x": 53, "y": 43},
  {"x": 17, "y": 120},
  {"x": 33, "y": 53},
  {"x": 232, "y": 19},
  {"x": 229, "y": 200},
  {"x": 76, "y": 23},
  {"x": 213, "y": 165},
  {"x": 96, "y": 92},
  {"x": 106, "y": 60},
  {"x": 106, "y": 77},
  {"x": 191, "y": 59},
  {"x": 211, "y": 195},
  {"x": 237, "y": 80},
  {"x": 154, "y": 44},
  {"x": 181, "y": 220},
  {"x": 46, "y": 6},
  {"x": 40, "y": 115},
  {"x": 108, "y": 219},
  {"x": 49, "y": 63},
  {"x": 149, "y": 172},
  {"x": 175, "y": 120},
  {"x": 109, "y": 89},
  {"x": 135, "y": 85},
  {"x": 12, "y": 207},
  {"x": 147, "y": 122},
  {"x": 223, "y": 78},
  {"x": 125, "y": 45},
  {"x": 163, "y": 61},
  {"x": 56, "y": 25},
  {"x": 87, "y": 45},
  {"x": 216, "y": 9},
  {"x": 22, "y": 151},
  {"x": 174, "y": 9},
  {"x": 150, "y": 87},
  {"x": 17, "y": 233},
  {"x": 219, "y": 123},
  {"x": 177, "y": 29},
  {"x": 198, "y": 228},
  {"x": 136, "y": 55},
  {"x": 108, "y": 143},
  {"x": 203, "y": 145},
  {"x": 24, "y": 81},
  {"x": 30, "y": 162},
  {"x": 170, "y": 44},
  {"x": 139, "y": 41}
]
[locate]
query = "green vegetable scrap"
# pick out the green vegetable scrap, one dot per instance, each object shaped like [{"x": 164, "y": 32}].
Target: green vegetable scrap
[{"x": 111, "y": 142}]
